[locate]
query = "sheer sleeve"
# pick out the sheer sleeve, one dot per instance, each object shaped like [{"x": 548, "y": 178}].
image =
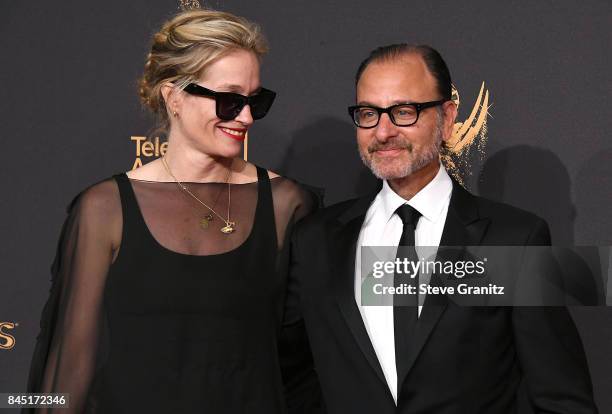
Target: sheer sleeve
[
  {"x": 67, "y": 347},
  {"x": 292, "y": 202}
]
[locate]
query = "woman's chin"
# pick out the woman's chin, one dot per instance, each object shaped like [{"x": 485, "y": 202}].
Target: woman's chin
[{"x": 230, "y": 152}]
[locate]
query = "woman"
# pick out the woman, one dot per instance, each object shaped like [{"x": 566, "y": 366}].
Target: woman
[{"x": 168, "y": 283}]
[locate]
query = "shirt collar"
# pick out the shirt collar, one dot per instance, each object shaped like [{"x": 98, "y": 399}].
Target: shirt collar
[{"x": 430, "y": 201}]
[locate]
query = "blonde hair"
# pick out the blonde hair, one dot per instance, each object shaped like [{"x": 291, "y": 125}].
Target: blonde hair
[{"x": 186, "y": 45}]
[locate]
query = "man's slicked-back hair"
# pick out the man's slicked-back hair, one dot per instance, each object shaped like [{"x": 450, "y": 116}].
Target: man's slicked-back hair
[{"x": 432, "y": 58}]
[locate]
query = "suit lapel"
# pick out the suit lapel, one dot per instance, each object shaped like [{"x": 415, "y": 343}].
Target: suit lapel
[
  {"x": 463, "y": 227},
  {"x": 344, "y": 243}
]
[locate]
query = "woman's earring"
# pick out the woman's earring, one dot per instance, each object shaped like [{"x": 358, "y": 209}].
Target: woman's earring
[{"x": 175, "y": 114}]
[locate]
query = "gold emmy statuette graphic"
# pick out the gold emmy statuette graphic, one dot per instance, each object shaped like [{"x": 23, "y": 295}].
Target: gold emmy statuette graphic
[
  {"x": 471, "y": 133},
  {"x": 155, "y": 148},
  {"x": 7, "y": 341}
]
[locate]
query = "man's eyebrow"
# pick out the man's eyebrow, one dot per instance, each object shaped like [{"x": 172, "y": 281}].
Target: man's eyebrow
[{"x": 395, "y": 102}]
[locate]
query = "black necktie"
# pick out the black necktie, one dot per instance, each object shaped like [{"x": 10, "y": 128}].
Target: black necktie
[{"x": 405, "y": 307}]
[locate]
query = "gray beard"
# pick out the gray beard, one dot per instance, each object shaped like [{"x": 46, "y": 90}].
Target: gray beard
[{"x": 429, "y": 154}]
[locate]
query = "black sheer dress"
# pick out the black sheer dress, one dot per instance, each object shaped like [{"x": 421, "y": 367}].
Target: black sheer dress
[{"x": 175, "y": 318}]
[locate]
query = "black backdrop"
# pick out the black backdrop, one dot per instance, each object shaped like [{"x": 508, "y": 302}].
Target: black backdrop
[{"x": 69, "y": 108}]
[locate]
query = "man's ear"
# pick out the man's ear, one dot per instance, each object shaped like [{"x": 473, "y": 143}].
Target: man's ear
[
  {"x": 172, "y": 99},
  {"x": 449, "y": 111}
]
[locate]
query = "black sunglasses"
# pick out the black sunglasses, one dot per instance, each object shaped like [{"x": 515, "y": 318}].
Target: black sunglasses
[
  {"x": 404, "y": 114},
  {"x": 229, "y": 104}
]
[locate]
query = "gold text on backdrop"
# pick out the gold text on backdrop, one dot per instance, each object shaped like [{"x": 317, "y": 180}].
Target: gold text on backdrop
[
  {"x": 7, "y": 341},
  {"x": 145, "y": 148},
  {"x": 156, "y": 148}
]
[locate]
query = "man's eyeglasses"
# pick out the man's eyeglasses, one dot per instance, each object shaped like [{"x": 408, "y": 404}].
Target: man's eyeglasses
[
  {"x": 405, "y": 114},
  {"x": 228, "y": 104}
]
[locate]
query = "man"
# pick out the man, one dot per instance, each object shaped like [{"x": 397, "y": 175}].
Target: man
[{"x": 453, "y": 359}]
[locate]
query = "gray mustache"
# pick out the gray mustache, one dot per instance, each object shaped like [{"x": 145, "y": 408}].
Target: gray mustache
[{"x": 377, "y": 147}]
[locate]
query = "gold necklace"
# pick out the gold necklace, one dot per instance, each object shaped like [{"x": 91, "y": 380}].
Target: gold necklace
[{"x": 230, "y": 226}]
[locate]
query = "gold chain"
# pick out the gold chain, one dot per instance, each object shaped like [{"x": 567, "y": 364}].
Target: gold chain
[{"x": 230, "y": 226}]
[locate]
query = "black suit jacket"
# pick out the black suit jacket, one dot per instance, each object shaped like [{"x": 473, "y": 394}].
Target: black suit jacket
[{"x": 463, "y": 359}]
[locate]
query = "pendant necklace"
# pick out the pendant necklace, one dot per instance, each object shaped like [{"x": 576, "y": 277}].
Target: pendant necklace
[{"x": 230, "y": 226}]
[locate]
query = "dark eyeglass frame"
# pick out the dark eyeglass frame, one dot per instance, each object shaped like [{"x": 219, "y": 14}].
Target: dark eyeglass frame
[
  {"x": 236, "y": 101},
  {"x": 419, "y": 106}
]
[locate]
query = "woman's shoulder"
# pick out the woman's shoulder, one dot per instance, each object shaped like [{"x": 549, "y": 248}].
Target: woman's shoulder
[
  {"x": 99, "y": 198},
  {"x": 272, "y": 174},
  {"x": 246, "y": 172},
  {"x": 295, "y": 193}
]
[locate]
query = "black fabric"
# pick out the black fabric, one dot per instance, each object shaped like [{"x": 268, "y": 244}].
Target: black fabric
[
  {"x": 461, "y": 359},
  {"x": 405, "y": 307},
  {"x": 150, "y": 313}
]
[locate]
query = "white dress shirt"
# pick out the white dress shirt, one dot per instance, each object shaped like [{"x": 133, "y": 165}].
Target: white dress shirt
[{"x": 382, "y": 227}]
